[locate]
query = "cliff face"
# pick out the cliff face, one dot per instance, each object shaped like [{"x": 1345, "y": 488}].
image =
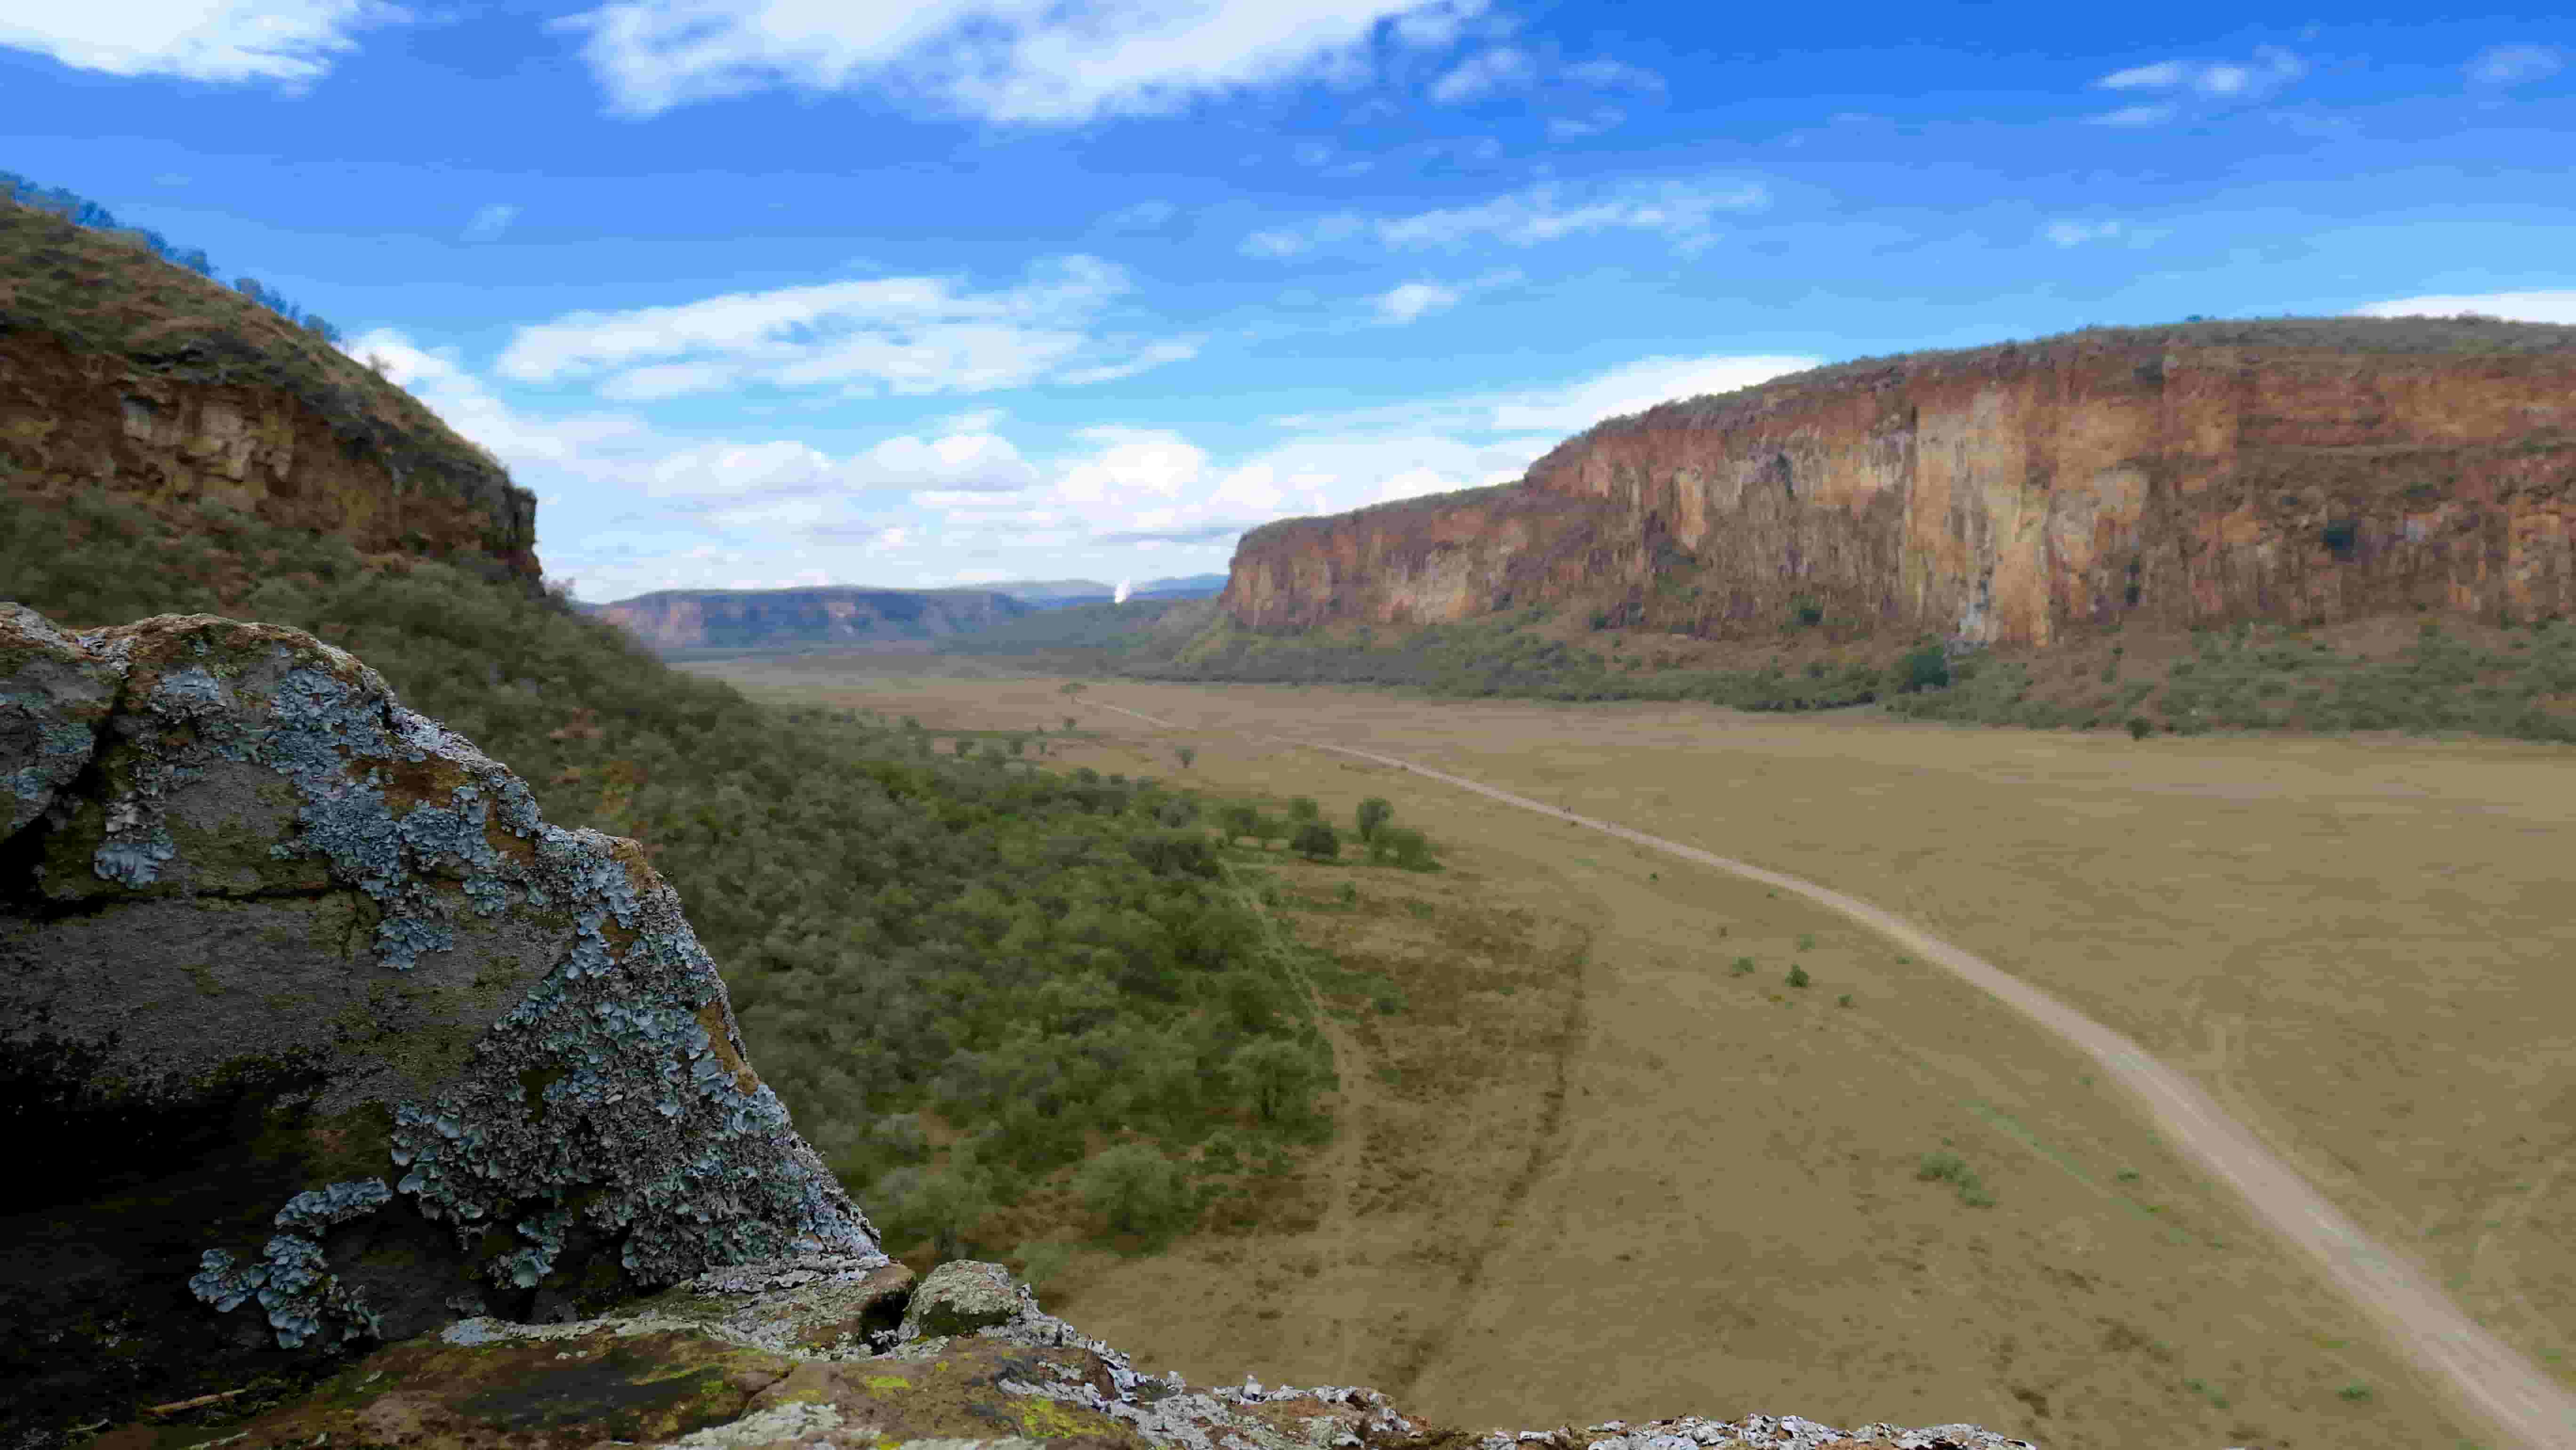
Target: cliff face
[
  {"x": 752, "y": 619},
  {"x": 2183, "y": 475},
  {"x": 123, "y": 373}
]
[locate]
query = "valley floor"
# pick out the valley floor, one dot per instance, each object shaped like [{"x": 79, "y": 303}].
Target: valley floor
[{"x": 2353, "y": 945}]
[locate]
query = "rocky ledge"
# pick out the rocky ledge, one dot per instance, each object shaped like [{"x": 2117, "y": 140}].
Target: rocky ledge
[{"x": 842, "y": 1353}]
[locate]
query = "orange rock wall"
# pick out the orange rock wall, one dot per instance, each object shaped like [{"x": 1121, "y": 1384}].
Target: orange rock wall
[
  {"x": 1998, "y": 497},
  {"x": 78, "y": 419}
]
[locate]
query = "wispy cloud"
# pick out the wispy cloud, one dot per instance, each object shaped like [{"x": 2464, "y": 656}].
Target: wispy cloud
[
  {"x": 905, "y": 335},
  {"x": 199, "y": 40},
  {"x": 2155, "y": 115},
  {"x": 1555, "y": 411},
  {"x": 2514, "y": 306},
  {"x": 1593, "y": 123},
  {"x": 1013, "y": 61},
  {"x": 2514, "y": 65},
  {"x": 1612, "y": 73},
  {"x": 1483, "y": 73},
  {"x": 1412, "y": 301},
  {"x": 490, "y": 222},
  {"x": 2067, "y": 233},
  {"x": 1681, "y": 212},
  {"x": 1144, "y": 216},
  {"x": 2271, "y": 69}
]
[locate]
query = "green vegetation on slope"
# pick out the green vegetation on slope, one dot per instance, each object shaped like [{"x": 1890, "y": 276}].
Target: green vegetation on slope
[{"x": 962, "y": 973}]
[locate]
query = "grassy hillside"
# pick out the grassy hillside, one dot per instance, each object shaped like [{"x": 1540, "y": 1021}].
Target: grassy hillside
[{"x": 965, "y": 975}]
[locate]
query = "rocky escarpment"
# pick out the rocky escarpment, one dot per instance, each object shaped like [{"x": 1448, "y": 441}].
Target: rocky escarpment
[
  {"x": 351, "y": 1104},
  {"x": 123, "y": 374},
  {"x": 2296, "y": 472},
  {"x": 313, "y": 1033},
  {"x": 789, "y": 619}
]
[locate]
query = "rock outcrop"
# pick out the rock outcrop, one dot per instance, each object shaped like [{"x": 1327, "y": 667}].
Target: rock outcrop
[
  {"x": 2296, "y": 472},
  {"x": 788, "y": 619},
  {"x": 313, "y": 1033},
  {"x": 122, "y": 373},
  {"x": 805, "y": 1352}
]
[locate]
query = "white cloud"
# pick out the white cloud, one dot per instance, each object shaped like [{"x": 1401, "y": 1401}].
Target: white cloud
[
  {"x": 2271, "y": 69},
  {"x": 1144, "y": 216},
  {"x": 2078, "y": 233},
  {"x": 1484, "y": 73},
  {"x": 2513, "y": 65},
  {"x": 906, "y": 335},
  {"x": 2162, "y": 73},
  {"x": 2513, "y": 306},
  {"x": 1679, "y": 211},
  {"x": 1567, "y": 128},
  {"x": 1613, "y": 73},
  {"x": 199, "y": 40},
  {"x": 1016, "y": 61},
  {"x": 2155, "y": 115},
  {"x": 490, "y": 222},
  {"x": 1412, "y": 300},
  {"x": 1561, "y": 409}
]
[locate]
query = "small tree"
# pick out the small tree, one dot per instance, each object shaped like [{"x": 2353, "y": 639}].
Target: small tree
[
  {"x": 942, "y": 1205},
  {"x": 1071, "y": 689},
  {"x": 1317, "y": 842},
  {"x": 1136, "y": 1189},
  {"x": 1239, "y": 820},
  {"x": 1303, "y": 809},
  {"x": 1374, "y": 813},
  {"x": 1187, "y": 753},
  {"x": 1927, "y": 667},
  {"x": 1277, "y": 1076},
  {"x": 1404, "y": 846},
  {"x": 1068, "y": 722}
]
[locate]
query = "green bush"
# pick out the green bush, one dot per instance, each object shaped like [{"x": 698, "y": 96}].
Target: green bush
[
  {"x": 1404, "y": 846},
  {"x": 1279, "y": 1077},
  {"x": 1317, "y": 841},
  {"x": 942, "y": 1205},
  {"x": 1927, "y": 667},
  {"x": 1798, "y": 976},
  {"x": 1373, "y": 813},
  {"x": 1137, "y": 1190},
  {"x": 1303, "y": 809}
]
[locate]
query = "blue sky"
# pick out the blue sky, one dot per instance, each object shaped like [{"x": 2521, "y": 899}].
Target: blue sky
[{"x": 756, "y": 293}]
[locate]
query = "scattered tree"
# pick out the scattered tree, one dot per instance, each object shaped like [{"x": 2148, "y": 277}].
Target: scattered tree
[
  {"x": 1277, "y": 1075},
  {"x": 1136, "y": 1189},
  {"x": 1374, "y": 812},
  {"x": 1187, "y": 753},
  {"x": 1317, "y": 841},
  {"x": 1303, "y": 809}
]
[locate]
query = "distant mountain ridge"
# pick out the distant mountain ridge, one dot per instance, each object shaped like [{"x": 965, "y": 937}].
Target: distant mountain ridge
[
  {"x": 1060, "y": 593},
  {"x": 677, "y": 620}
]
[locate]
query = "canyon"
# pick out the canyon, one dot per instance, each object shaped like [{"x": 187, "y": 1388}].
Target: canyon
[{"x": 2302, "y": 472}]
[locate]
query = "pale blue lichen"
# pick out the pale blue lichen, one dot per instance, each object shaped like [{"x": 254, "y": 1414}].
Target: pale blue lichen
[{"x": 292, "y": 1281}]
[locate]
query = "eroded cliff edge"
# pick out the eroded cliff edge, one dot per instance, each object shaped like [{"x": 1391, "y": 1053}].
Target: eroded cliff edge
[
  {"x": 2296, "y": 471},
  {"x": 123, "y": 374}
]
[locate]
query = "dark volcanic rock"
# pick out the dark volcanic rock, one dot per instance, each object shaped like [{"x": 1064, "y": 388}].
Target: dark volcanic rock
[{"x": 313, "y": 1033}]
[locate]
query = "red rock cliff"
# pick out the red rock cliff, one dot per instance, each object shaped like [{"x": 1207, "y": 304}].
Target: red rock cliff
[
  {"x": 2298, "y": 470},
  {"x": 121, "y": 372}
]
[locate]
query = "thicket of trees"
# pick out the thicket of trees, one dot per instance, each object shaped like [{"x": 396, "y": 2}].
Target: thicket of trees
[
  {"x": 961, "y": 972},
  {"x": 81, "y": 211}
]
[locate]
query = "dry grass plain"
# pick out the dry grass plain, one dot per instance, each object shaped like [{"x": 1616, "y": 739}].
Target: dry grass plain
[{"x": 2356, "y": 944}]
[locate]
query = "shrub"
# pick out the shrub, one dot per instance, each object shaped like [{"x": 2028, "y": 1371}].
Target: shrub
[
  {"x": 1174, "y": 853},
  {"x": 1187, "y": 754},
  {"x": 1404, "y": 846},
  {"x": 1278, "y": 1076},
  {"x": 942, "y": 1205},
  {"x": 1239, "y": 820},
  {"x": 1137, "y": 1190},
  {"x": 1303, "y": 809},
  {"x": 1798, "y": 975},
  {"x": 1743, "y": 965},
  {"x": 1373, "y": 814},
  {"x": 1317, "y": 842},
  {"x": 2140, "y": 727},
  {"x": 1927, "y": 667}
]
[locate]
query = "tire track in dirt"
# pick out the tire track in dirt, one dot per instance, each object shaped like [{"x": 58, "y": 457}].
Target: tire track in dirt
[
  {"x": 1547, "y": 1144},
  {"x": 2488, "y": 1378}
]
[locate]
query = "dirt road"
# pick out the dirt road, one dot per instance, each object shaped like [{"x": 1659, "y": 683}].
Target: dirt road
[{"x": 2500, "y": 1386}]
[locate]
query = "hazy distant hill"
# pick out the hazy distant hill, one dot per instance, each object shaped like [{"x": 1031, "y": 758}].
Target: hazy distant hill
[
  {"x": 1067, "y": 593},
  {"x": 673, "y": 621}
]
